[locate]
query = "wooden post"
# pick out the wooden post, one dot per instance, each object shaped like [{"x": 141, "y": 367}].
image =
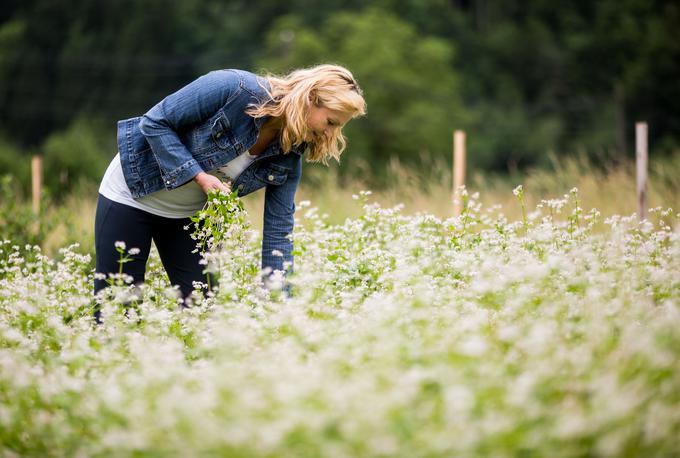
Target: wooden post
[
  {"x": 458, "y": 169},
  {"x": 36, "y": 182},
  {"x": 641, "y": 168}
]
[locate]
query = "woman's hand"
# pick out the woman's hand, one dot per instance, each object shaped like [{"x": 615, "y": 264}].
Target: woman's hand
[{"x": 209, "y": 182}]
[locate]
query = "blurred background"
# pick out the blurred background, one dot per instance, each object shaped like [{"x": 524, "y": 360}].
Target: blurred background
[{"x": 547, "y": 92}]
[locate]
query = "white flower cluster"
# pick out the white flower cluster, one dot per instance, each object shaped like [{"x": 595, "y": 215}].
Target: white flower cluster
[{"x": 405, "y": 336}]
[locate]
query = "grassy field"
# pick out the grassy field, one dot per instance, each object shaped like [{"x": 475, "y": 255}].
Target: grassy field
[
  {"x": 403, "y": 335},
  {"x": 609, "y": 189}
]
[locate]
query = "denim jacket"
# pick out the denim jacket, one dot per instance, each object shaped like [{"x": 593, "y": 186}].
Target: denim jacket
[{"x": 203, "y": 126}]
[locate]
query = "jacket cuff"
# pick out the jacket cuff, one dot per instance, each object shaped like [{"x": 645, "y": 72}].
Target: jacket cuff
[{"x": 181, "y": 174}]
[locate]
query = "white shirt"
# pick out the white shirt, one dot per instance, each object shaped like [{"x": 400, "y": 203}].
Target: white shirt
[{"x": 180, "y": 202}]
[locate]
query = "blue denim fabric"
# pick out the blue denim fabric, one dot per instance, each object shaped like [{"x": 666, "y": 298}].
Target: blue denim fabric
[{"x": 203, "y": 126}]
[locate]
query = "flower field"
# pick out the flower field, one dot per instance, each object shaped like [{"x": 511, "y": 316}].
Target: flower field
[{"x": 397, "y": 336}]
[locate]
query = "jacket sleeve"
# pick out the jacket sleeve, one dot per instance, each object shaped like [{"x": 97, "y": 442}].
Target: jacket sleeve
[
  {"x": 279, "y": 220},
  {"x": 195, "y": 102}
]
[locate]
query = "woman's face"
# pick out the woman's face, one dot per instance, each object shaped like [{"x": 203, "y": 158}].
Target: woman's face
[{"x": 322, "y": 121}]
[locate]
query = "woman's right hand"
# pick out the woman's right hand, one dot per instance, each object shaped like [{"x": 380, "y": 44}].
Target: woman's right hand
[{"x": 209, "y": 182}]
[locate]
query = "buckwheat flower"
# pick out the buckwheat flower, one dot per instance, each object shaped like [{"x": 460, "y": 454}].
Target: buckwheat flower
[
  {"x": 473, "y": 346},
  {"x": 533, "y": 216},
  {"x": 276, "y": 280},
  {"x": 556, "y": 204},
  {"x": 277, "y": 253},
  {"x": 518, "y": 190},
  {"x": 134, "y": 251},
  {"x": 119, "y": 244}
]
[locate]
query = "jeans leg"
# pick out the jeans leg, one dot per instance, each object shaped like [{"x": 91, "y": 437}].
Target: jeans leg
[
  {"x": 117, "y": 222},
  {"x": 175, "y": 247}
]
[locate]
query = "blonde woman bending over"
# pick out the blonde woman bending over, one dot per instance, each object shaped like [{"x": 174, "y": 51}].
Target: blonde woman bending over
[{"x": 226, "y": 126}]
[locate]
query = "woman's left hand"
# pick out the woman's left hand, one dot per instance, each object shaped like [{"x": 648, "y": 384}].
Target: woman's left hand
[{"x": 209, "y": 182}]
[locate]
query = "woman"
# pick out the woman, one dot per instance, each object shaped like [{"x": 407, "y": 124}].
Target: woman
[{"x": 228, "y": 125}]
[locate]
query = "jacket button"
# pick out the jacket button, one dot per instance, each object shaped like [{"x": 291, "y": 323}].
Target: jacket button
[
  {"x": 270, "y": 177},
  {"x": 167, "y": 182}
]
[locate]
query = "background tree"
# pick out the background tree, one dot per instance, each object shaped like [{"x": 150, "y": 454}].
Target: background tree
[
  {"x": 523, "y": 78},
  {"x": 410, "y": 89}
]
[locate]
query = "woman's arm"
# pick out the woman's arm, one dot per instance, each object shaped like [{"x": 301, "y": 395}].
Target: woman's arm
[
  {"x": 195, "y": 102},
  {"x": 279, "y": 220}
]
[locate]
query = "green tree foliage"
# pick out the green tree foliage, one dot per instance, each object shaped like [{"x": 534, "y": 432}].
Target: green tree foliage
[
  {"x": 523, "y": 78},
  {"x": 80, "y": 152},
  {"x": 107, "y": 58},
  {"x": 411, "y": 91},
  {"x": 569, "y": 76}
]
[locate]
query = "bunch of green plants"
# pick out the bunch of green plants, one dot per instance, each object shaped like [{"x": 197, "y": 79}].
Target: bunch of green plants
[{"x": 224, "y": 238}]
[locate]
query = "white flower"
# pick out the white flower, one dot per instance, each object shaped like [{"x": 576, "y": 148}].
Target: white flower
[
  {"x": 518, "y": 190},
  {"x": 120, "y": 244}
]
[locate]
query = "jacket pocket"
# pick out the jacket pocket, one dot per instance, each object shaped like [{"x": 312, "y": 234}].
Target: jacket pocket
[
  {"x": 272, "y": 174},
  {"x": 221, "y": 132}
]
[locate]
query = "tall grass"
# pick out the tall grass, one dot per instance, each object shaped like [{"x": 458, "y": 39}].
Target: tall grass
[{"x": 610, "y": 189}]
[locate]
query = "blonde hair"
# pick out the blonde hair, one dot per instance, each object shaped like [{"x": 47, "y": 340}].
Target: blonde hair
[{"x": 330, "y": 86}]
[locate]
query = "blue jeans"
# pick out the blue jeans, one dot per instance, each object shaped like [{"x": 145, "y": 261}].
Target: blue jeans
[{"x": 137, "y": 228}]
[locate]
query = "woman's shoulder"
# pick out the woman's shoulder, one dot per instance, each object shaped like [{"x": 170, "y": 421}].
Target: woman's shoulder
[
  {"x": 238, "y": 85},
  {"x": 251, "y": 82}
]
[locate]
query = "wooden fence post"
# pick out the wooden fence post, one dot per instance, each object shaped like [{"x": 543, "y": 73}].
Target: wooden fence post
[
  {"x": 641, "y": 168},
  {"x": 458, "y": 169},
  {"x": 36, "y": 182}
]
